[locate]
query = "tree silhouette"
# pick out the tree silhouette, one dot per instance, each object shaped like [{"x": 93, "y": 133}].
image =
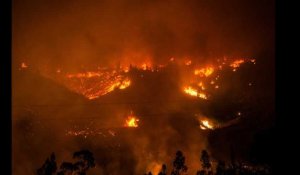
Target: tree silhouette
[
  {"x": 202, "y": 172},
  {"x": 179, "y": 164},
  {"x": 205, "y": 160},
  {"x": 163, "y": 170},
  {"x": 85, "y": 160},
  {"x": 66, "y": 168},
  {"x": 49, "y": 167},
  {"x": 220, "y": 170}
]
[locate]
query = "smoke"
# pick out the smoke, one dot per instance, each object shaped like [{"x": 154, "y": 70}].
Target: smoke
[
  {"x": 43, "y": 119},
  {"x": 75, "y": 35},
  {"x": 51, "y": 33}
]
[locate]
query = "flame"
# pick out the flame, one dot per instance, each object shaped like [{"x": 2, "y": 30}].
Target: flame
[
  {"x": 131, "y": 121},
  {"x": 237, "y": 63},
  {"x": 125, "y": 84},
  {"x": 126, "y": 69},
  {"x": 204, "y": 71},
  {"x": 188, "y": 62},
  {"x": 93, "y": 84},
  {"x": 201, "y": 85},
  {"x": 24, "y": 65},
  {"x": 205, "y": 124},
  {"x": 154, "y": 167},
  {"x": 193, "y": 92},
  {"x": 84, "y": 75},
  {"x": 145, "y": 66}
]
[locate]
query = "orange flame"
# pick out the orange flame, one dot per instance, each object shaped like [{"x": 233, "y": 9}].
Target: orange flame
[
  {"x": 188, "y": 62},
  {"x": 204, "y": 71},
  {"x": 237, "y": 63},
  {"x": 84, "y": 75},
  {"x": 23, "y": 65},
  {"x": 193, "y": 92},
  {"x": 131, "y": 121},
  {"x": 205, "y": 124},
  {"x": 125, "y": 84}
]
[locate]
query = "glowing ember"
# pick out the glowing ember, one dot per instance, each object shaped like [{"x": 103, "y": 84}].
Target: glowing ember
[
  {"x": 131, "y": 121},
  {"x": 204, "y": 71}
]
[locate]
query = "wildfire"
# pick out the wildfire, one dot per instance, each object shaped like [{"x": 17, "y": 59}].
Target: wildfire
[
  {"x": 125, "y": 84},
  {"x": 131, "y": 121},
  {"x": 84, "y": 75},
  {"x": 24, "y": 65},
  {"x": 193, "y": 92},
  {"x": 237, "y": 63},
  {"x": 145, "y": 66},
  {"x": 204, "y": 71},
  {"x": 188, "y": 62},
  {"x": 95, "y": 83},
  {"x": 205, "y": 124},
  {"x": 201, "y": 85}
]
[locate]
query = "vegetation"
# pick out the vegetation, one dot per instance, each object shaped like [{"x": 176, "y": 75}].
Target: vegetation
[{"x": 84, "y": 160}]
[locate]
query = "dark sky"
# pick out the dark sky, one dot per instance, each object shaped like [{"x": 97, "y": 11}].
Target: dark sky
[{"x": 73, "y": 33}]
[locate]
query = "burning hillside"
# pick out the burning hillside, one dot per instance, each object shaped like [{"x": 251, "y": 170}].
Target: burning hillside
[
  {"x": 134, "y": 81},
  {"x": 196, "y": 80}
]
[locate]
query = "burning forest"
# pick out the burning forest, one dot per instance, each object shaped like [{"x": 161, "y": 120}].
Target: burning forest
[{"x": 131, "y": 87}]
